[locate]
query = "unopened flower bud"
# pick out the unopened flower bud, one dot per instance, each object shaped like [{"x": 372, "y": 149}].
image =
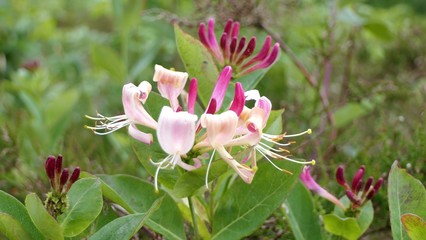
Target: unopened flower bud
[
  {"x": 358, "y": 186},
  {"x": 50, "y": 167},
  {"x": 368, "y": 184},
  {"x": 64, "y": 178},
  {"x": 378, "y": 184},
  {"x": 340, "y": 176},
  {"x": 358, "y": 177},
  {"x": 352, "y": 197},
  {"x": 75, "y": 175},
  {"x": 58, "y": 165},
  {"x": 370, "y": 194}
]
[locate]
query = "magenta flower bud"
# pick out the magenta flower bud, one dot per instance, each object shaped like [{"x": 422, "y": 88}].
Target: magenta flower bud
[
  {"x": 233, "y": 46},
  {"x": 357, "y": 178},
  {"x": 378, "y": 184},
  {"x": 223, "y": 42},
  {"x": 351, "y": 196},
  {"x": 248, "y": 51},
  {"x": 228, "y": 27},
  {"x": 241, "y": 44},
  {"x": 203, "y": 35},
  {"x": 192, "y": 95},
  {"x": 58, "y": 165},
  {"x": 235, "y": 29},
  {"x": 358, "y": 186},
  {"x": 64, "y": 178},
  {"x": 50, "y": 167},
  {"x": 368, "y": 184},
  {"x": 75, "y": 175},
  {"x": 370, "y": 194},
  {"x": 340, "y": 176},
  {"x": 239, "y": 100}
]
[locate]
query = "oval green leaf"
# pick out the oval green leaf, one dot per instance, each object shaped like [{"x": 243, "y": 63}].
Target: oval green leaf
[
  {"x": 414, "y": 225},
  {"x": 11, "y": 228},
  {"x": 85, "y": 198},
  {"x": 47, "y": 225}
]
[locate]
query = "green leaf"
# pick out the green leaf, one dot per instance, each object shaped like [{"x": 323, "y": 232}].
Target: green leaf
[
  {"x": 47, "y": 225},
  {"x": 414, "y": 225},
  {"x": 244, "y": 206},
  {"x": 348, "y": 113},
  {"x": 198, "y": 63},
  {"x": 60, "y": 107},
  {"x": 406, "y": 195},
  {"x": 11, "y": 228},
  {"x": 138, "y": 195},
  {"x": 345, "y": 227},
  {"x": 251, "y": 80},
  {"x": 85, "y": 198},
  {"x": 15, "y": 209},
  {"x": 379, "y": 29},
  {"x": 301, "y": 214},
  {"x": 107, "y": 59},
  {"x": 342, "y": 226},
  {"x": 191, "y": 181},
  {"x": 125, "y": 227}
]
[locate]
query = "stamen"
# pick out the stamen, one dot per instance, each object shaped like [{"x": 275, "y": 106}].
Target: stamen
[
  {"x": 208, "y": 169},
  {"x": 273, "y": 149},
  {"x": 273, "y": 164},
  {"x": 309, "y": 131},
  {"x": 156, "y": 178}
]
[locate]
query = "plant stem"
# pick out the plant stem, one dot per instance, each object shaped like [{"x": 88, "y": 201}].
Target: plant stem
[{"x": 194, "y": 220}]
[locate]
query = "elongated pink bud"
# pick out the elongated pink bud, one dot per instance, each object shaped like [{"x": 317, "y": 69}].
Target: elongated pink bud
[
  {"x": 233, "y": 45},
  {"x": 211, "y": 108},
  {"x": 241, "y": 45},
  {"x": 192, "y": 95},
  {"x": 203, "y": 35},
  {"x": 358, "y": 186},
  {"x": 235, "y": 29},
  {"x": 368, "y": 184},
  {"x": 228, "y": 27},
  {"x": 219, "y": 90},
  {"x": 63, "y": 179},
  {"x": 223, "y": 41},
  {"x": 370, "y": 194},
  {"x": 50, "y": 167},
  {"x": 248, "y": 51},
  {"x": 263, "y": 53},
  {"x": 239, "y": 100},
  {"x": 268, "y": 61},
  {"x": 340, "y": 176},
  {"x": 75, "y": 175},
  {"x": 378, "y": 184},
  {"x": 351, "y": 196},
  {"x": 58, "y": 165},
  {"x": 358, "y": 176}
]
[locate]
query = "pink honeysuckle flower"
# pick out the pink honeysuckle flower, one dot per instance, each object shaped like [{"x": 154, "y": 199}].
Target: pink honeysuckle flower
[
  {"x": 133, "y": 99},
  {"x": 251, "y": 135},
  {"x": 235, "y": 51},
  {"x": 176, "y": 135},
  {"x": 310, "y": 183},
  {"x": 219, "y": 90},
  {"x": 220, "y": 129},
  {"x": 170, "y": 84}
]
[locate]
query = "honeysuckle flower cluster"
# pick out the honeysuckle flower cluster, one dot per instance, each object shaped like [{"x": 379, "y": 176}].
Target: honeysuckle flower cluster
[
  {"x": 61, "y": 181},
  {"x": 235, "y": 51},
  {"x": 358, "y": 193},
  {"x": 181, "y": 133}
]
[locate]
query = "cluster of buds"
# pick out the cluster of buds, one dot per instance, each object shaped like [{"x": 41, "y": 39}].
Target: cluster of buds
[
  {"x": 61, "y": 181},
  {"x": 186, "y": 138},
  {"x": 358, "y": 193},
  {"x": 235, "y": 51}
]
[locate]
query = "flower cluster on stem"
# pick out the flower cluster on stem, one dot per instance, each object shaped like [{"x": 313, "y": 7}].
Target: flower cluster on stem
[{"x": 181, "y": 133}]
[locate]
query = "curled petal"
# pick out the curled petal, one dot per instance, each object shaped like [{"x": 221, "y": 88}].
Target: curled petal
[
  {"x": 176, "y": 131},
  {"x": 170, "y": 84},
  {"x": 133, "y": 108},
  {"x": 265, "y": 104},
  {"x": 139, "y": 135},
  {"x": 145, "y": 88},
  {"x": 220, "y": 128}
]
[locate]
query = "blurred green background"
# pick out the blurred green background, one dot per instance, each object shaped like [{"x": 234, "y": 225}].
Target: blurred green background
[{"x": 60, "y": 60}]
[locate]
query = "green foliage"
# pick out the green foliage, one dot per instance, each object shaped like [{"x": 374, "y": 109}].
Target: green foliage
[
  {"x": 301, "y": 214},
  {"x": 45, "y": 223},
  {"x": 406, "y": 195},
  {"x": 85, "y": 197},
  {"x": 11, "y": 228},
  {"x": 414, "y": 225}
]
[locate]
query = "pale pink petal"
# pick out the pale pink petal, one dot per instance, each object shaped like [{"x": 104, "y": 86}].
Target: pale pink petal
[
  {"x": 265, "y": 104},
  {"x": 139, "y": 135},
  {"x": 145, "y": 88},
  {"x": 220, "y": 128},
  {"x": 252, "y": 95},
  {"x": 133, "y": 107},
  {"x": 170, "y": 84},
  {"x": 176, "y": 131}
]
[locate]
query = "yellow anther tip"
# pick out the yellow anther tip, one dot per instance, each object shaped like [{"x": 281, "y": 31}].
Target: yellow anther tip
[
  {"x": 255, "y": 168},
  {"x": 313, "y": 162},
  {"x": 309, "y": 131}
]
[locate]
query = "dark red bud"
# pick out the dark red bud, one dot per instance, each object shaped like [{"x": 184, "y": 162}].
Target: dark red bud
[
  {"x": 251, "y": 45},
  {"x": 368, "y": 184},
  {"x": 50, "y": 167},
  {"x": 340, "y": 176},
  {"x": 58, "y": 164},
  {"x": 211, "y": 108},
  {"x": 378, "y": 184},
  {"x": 223, "y": 41},
  {"x": 233, "y": 46},
  {"x": 357, "y": 177},
  {"x": 64, "y": 177},
  {"x": 359, "y": 186},
  {"x": 75, "y": 175},
  {"x": 228, "y": 27},
  {"x": 241, "y": 44},
  {"x": 370, "y": 195},
  {"x": 351, "y": 196}
]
